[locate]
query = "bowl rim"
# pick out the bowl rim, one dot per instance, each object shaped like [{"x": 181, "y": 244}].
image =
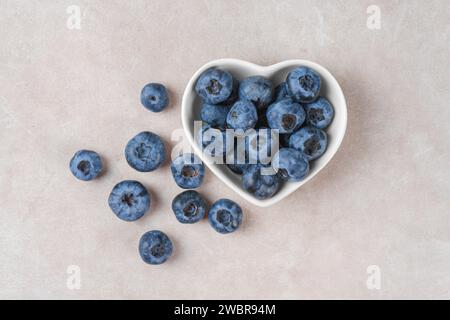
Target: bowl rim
[{"x": 189, "y": 90}]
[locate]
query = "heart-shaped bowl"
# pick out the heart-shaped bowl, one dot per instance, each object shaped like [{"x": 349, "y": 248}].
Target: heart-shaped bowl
[{"x": 277, "y": 73}]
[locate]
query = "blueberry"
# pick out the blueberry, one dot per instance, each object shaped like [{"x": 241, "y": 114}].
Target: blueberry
[
  {"x": 303, "y": 84},
  {"x": 145, "y": 152},
  {"x": 319, "y": 113},
  {"x": 242, "y": 116},
  {"x": 285, "y": 115},
  {"x": 290, "y": 164},
  {"x": 86, "y": 165},
  {"x": 129, "y": 200},
  {"x": 154, "y": 97},
  {"x": 214, "y": 115},
  {"x": 215, "y": 86},
  {"x": 189, "y": 207},
  {"x": 155, "y": 247},
  {"x": 261, "y": 181},
  {"x": 225, "y": 216},
  {"x": 258, "y": 90},
  {"x": 207, "y": 140},
  {"x": 261, "y": 145},
  {"x": 281, "y": 92},
  {"x": 188, "y": 171},
  {"x": 309, "y": 140}
]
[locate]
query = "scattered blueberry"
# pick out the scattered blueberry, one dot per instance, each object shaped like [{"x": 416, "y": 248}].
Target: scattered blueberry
[
  {"x": 242, "y": 116},
  {"x": 129, "y": 200},
  {"x": 189, "y": 207},
  {"x": 290, "y": 164},
  {"x": 309, "y": 140},
  {"x": 319, "y": 113},
  {"x": 225, "y": 216},
  {"x": 145, "y": 152},
  {"x": 86, "y": 165},
  {"x": 285, "y": 115},
  {"x": 215, "y": 85},
  {"x": 261, "y": 181},
  {"x": 188, "y": 171},
  {"x": 258, "y": 90},
  {"x": 154, "y": 97},
  {"x": 303, "y": 84},
  {"x": 281, "y": 92},
  {"x": 155, "y": 247}
]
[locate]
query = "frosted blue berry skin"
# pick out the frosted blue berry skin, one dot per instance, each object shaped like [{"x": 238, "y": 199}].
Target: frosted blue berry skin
[
  {"x": 188, "y": 171},
  {"x": 155, "y": 247},
  {"x": 281, "y": 92},
  {"x": 189, "y": 207},
  {"x": 225, "y": 216},
  {"x": 285, "y": 115},
  {"x": 215, "y": 86},
  {"x": 258, "y": 90},
  {"x": 154, "y": 97},
  {"x": 129, "y": 200},
  {"x": 304, "y": 84},
  {"x": 242, "y": 116},
  {"x": 145, "y": 152},
  {"x": 290, "y": 164},
  {"x": 319, "y": 113},
  {"x": 309, "y": 140},
  {"x": 262, "y": 186},
  {"x": 214, "y": 115},
  {"x": 86, "y": 165}
]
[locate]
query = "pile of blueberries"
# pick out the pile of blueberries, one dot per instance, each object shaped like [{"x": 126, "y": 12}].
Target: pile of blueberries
[
  {"x": 256, "y": 110},
  {"x": 130, "y": 200}
]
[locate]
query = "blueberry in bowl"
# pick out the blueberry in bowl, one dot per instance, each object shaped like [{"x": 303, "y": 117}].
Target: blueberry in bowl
[
  {"x": 285, "y": 115},
  {"x": 319, "y": 113},
  {"x": 242, "y": 115},
  {"x": 155, "y": 247},
  {"x": 225, "y": 216},
  {"x": 129, "y": 200},
  {"x": 309, "y": 140},
  {"x": 215, "y": 115},
  {"x": 86, "y": 165},
  {"x": 188, "y": 171},
  {"x": 215, "y": 86},
  {"x": 154, "y": 97},
  {"x": 145, "y": 152},
  {"x": 189, "y": 207},
  {"x": 304, "y": 84},
  {"x": 261, "y": 181},
  {"x": 290, "y": 164},
  {"x": 258, "y": 90},
  {"x": 281, "y": 92}
]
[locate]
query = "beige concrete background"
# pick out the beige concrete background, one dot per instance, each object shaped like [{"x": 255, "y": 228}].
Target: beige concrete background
[{"x": 383, "y": 200}]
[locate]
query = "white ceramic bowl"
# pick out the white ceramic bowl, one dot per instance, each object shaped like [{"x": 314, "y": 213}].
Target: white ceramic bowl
[{"x": 190, "y": 111}]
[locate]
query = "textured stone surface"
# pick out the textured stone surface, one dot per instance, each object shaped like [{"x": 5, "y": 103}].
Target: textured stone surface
[{"x": 383, "y": 200}]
